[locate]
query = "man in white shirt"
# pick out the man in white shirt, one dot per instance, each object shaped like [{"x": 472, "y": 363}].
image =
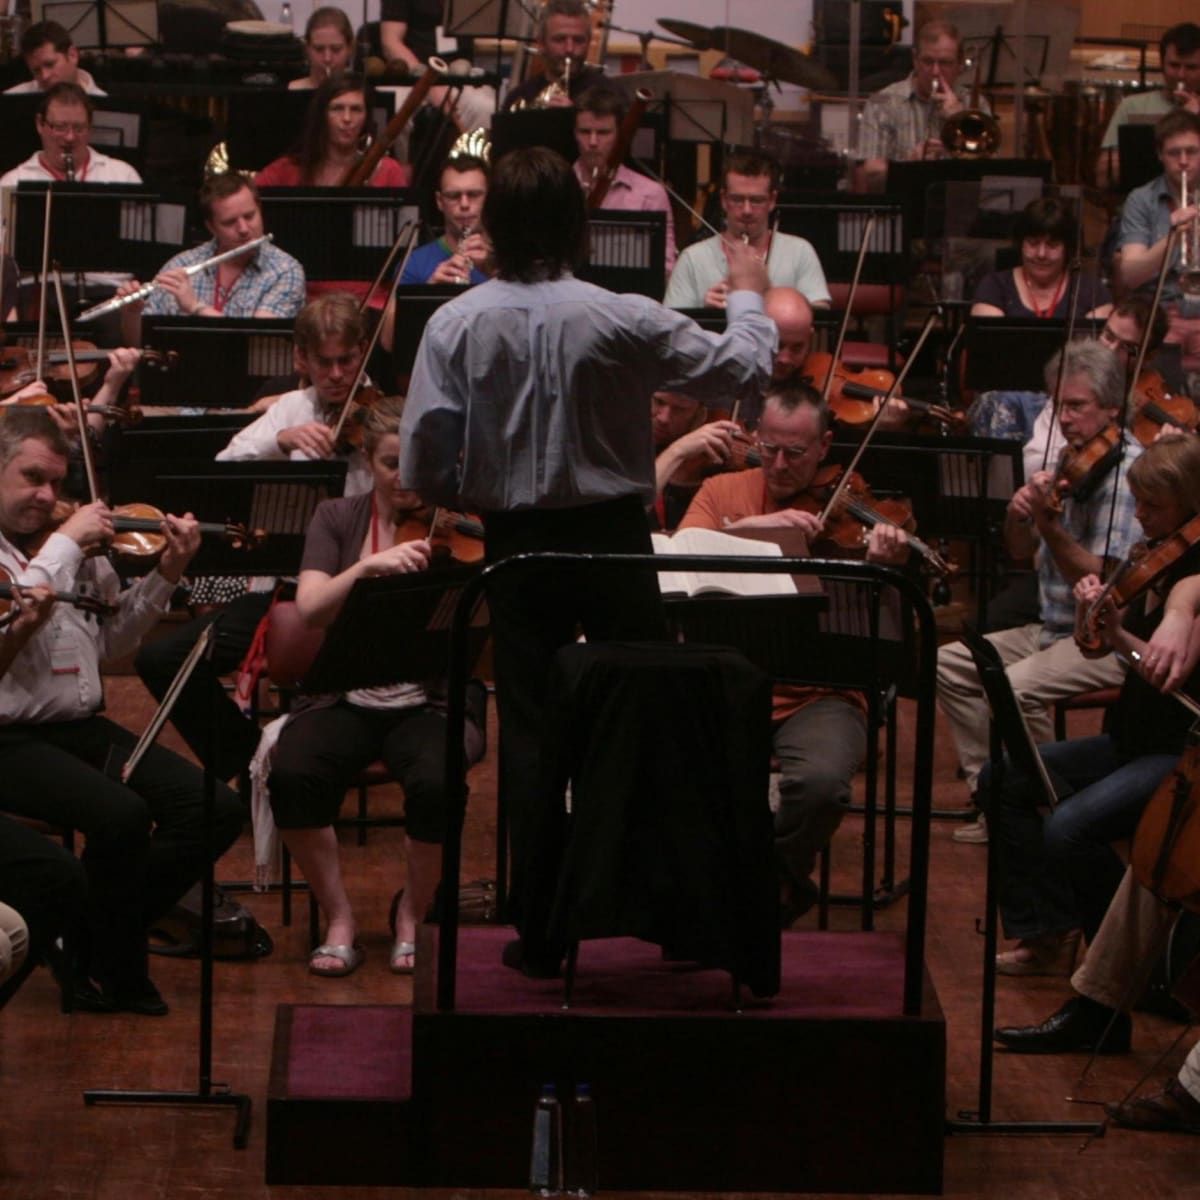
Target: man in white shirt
[
  {"x": 748, "y": 196},
  {"x": 52, "y": 58}
]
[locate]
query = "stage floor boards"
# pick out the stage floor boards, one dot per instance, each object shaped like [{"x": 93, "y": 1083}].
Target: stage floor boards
[{"x": 52, "y": 1146}]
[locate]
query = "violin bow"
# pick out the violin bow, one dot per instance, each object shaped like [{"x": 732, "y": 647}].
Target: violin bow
[
  {"x": 387, "y": 264},
  {"x": 868, "y": 230},
  {"x": 41, "y": 342},
  {"x": 361, "y": 377},
  {"x": 840, "y": 487},
  {"x": 89, "y": 462},
  {"x": 1076, "y": 270}
]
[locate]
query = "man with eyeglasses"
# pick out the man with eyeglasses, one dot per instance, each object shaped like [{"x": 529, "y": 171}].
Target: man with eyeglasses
[
  {"x": 749, "y": 191},
  {"x": 462, "y": 254},
  {"x": 904, "y": 120},
  {"x": 819, "y": 735},
  {"x": 330, "y": 338}
]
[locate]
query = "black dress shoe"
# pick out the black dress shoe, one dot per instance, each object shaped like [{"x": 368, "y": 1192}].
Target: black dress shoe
[
  {"x": 140, "y": 997},
  {"x": 1173, "y": 1110},
  {"x": 1078, "y": 1025},
  {"x": 87, "y": 997}
]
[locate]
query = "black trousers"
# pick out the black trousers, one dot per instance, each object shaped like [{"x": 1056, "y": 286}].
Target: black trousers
[
  {"x": 204, "y": 701},
  {"x": 534, "y": 611},
  {"x": 145, "y": 840},
  {"x": 45, "y": 884}
]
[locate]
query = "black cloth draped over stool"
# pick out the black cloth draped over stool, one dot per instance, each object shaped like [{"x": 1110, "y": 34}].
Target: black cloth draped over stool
[{"x": 666, "y": 749}]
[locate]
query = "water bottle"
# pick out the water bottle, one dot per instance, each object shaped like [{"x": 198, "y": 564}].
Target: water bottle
[
  {"x": 581, "y": 1151},
  {"x": 285, "y": 15},
  {"x": 545, "y": 1158}
]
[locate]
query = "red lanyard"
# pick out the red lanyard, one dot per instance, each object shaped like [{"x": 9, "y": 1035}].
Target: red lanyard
[{"x": 1043, "y": 313}]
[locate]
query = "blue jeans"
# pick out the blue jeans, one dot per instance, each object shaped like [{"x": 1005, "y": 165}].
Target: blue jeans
[{"x": 1060, "y": 872}]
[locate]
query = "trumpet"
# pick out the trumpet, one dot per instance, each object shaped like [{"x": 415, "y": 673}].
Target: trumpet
[
  {"x": 555, "y": 89},
  {"x": 100, "y": 310},
  {"x": 1189, "y": 244}
]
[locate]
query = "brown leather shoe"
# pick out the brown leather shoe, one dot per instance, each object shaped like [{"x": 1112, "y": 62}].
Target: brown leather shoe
[{"x": 1173, "y": 1110}]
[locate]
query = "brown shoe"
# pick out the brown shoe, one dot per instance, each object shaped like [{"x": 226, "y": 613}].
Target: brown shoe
[
  {"x": 1173, "y": 1110},
  {"x": 1051, "y": 954}
]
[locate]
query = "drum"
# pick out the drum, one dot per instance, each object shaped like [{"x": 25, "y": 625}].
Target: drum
[{"x": 261, "y": 42}]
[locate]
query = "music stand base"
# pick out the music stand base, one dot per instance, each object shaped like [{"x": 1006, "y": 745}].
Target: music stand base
[
  {"x": 970, "y": 1122},
  {"x": 221, "y": 1099}
]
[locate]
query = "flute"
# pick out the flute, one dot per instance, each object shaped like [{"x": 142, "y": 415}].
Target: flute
[{"x": 100, "y": 310}]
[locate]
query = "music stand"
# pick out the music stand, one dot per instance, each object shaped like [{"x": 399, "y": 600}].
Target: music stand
[
  {"x": 103, "y": 24},
  {"x": 1011, "y": 353},
  {"x": 627, "y": 252},
  {"x": 553, "y": 128},
  {"x": 1010, "y": 735},
  {"x": 1138, "y": 155},
  {"x": 225, "y": 359},
  {"x": 415, "y": 304}
]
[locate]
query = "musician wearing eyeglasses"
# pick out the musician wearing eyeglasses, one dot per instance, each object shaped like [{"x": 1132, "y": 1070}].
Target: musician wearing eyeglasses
[
  {"x": 1153, "y": 211},
  {"x": 749, "y": 192},
  {"x": 264, "y": 282},
  {"x": 819, "y": 735},
  {"x": 1179, "y": 60},
  {"x": 904, "y": 120},
  {"x": 145, "y": 839},
  {"x": 51, "y": 58}
]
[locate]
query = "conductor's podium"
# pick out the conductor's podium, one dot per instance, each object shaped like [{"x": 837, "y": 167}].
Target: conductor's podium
[{"x": 828, "y": 1087}]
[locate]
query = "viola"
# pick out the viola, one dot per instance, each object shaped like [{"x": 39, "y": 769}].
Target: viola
[
  {"x": 1081, "y": 469},
  {"x": 18, "y": 365},
  {"x": 1142, "y": 568},
  {"x": 1157, "y": 409},
  {"x": 453, "y": 537},
  {"x": 9, "y": 598},
  {"x": 855, "y": 392},
  {"x": 1166, "y": 846}
]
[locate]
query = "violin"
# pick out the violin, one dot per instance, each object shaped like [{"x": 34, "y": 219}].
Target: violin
[
  {"x": 1081, "y": 469},
  {"x": 1166, "y": 847},
  {"x": 855, "y": 392},
  {"x": 1141, "y": 569},
  {"x": 18, "y": 365},
  {"x": 858, "y": 511},
  {"x": 453, "y": 537},
  {"x": 10, "y": 599},
  {"x": 743, "y": 453},
  {"x": 1157, "y": 409},
  {"x": 120, "y": 414}
]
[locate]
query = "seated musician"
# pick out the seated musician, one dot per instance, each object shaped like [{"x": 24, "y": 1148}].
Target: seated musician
[
  {"x": 819, "y": 735},
  {"x": 1128, "y": 943},
  {"x": 1040, "y": 285},
  {"x": 564, "y": 34},
  {"x": 408, "y": 36},
  {"x": 328, "y": 47},
  {"x": 904, "y": 120},
  {"x": 145, "y": 839},
  {"x": 1058, "y": 875},
  {"x": 462, "y": 255},
  {"x": 599, "y": 114},
  {"x": 264, "y": 282},
  {"x": 748, "y": 194},
  {"x": 330, "y": 338},
  {"x": 325, "y": 743},
  {"x": 52, "y": 58},
  {"x": 1152, "y": 212},
  {"x": 687, "y": 446},
  {"x": 1179, "y": 60},
  {"x": 1044, "y": 664},
  {"x": 336, "y": 135}
]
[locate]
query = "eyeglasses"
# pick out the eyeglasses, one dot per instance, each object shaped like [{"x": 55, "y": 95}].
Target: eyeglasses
[
  {"x": 471, "y": 194},
  {"x": 78, "y": 127},
  {"x": 757, "y": 201},
  {"x": 792, "y": 454}
]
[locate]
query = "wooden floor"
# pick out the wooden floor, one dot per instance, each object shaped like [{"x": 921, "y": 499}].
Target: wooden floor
[{"x": 52, "y": 1146}]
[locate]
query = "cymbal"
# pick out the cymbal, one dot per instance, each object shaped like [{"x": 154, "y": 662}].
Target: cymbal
[
  {"x": 775, "y": 60},
  {"x": 699, "y": 35}
]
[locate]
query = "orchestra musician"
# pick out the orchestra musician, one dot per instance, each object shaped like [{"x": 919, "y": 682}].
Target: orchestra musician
[
  {"x": 330, "y": 339},
  {"x": 328, "y": 46},
  {"x": 336, "y": 133},
  {"x": 1071, "y": 538},
  {"x": 1179, "y": 60},
  {"x": 52, "y": 58},
  {"x": 462, "y": 255},
  {"x": 1059, "y": 873},
  {"x": 564, "y": 34},
  {"x": 904, "y": 120},
  {"x": 749, "y": 191},
  {"x": 1040, "y": 285},
  {"x": 326, "y": 742},
  {"x": 599, "y": 113},
  {"x": 265, "y": 282},
  {"x": 145, "y": 839},
  {"x": 687, "y": 446},
  {"x": 529, "y": 404},
  {"x": 819, "y": 736}
]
